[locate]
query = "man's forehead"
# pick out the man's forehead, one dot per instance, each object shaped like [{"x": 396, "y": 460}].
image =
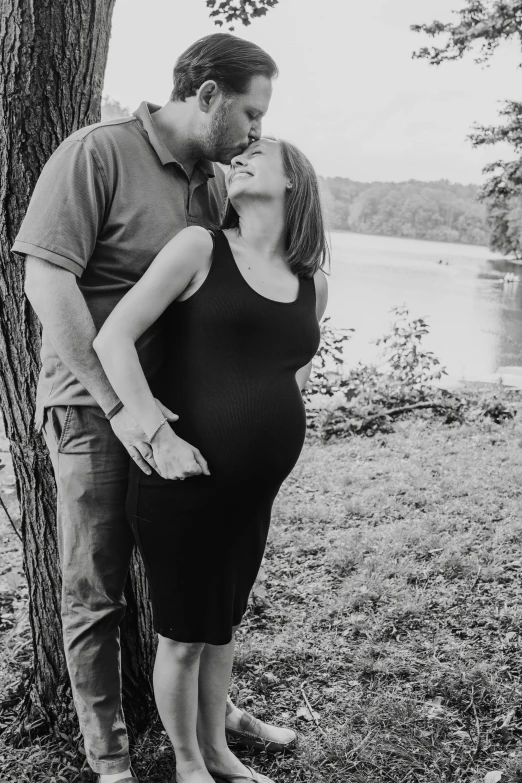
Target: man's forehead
[{"x": 258, "y": 94}]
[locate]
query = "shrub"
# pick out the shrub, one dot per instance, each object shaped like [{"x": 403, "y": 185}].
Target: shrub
[{"x": 365, "y": 399}]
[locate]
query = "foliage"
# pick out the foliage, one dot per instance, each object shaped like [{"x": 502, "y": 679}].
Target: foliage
[
  {"x": 328, "y": 361},
  {"x": 503, "y": 190},
  {"x": 410, "y": 366},
  {"x": 243, "y": 11},
  {"x": 486, "y": 25},
  {"x": 363, "y": 400},
  {"x": 440, "y": 211},
  {"x": 111, "y": 109},
  {"x": 482, "y": 23}
]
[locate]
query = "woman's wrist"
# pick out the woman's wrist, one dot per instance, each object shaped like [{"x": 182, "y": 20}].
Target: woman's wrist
[{"x": 156, "y": 429}]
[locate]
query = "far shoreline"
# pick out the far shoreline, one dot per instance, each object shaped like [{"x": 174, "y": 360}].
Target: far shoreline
[{"x": 496, "y": 256}]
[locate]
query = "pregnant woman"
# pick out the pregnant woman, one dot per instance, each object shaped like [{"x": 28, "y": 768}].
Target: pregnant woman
[{"x": 240, "y": 308}]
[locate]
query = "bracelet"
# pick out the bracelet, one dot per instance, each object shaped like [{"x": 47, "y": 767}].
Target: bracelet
[
  {"x": 113, "y": 411},
  {"x": 157, "y": 429}
]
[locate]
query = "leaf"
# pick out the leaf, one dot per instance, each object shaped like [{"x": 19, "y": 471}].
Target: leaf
[
  {"x": 304, "y": 712},
  {"x": 435, "y": 708},
  {"x": 462, "y": 734},
  {"x": 493, "y": 777}
]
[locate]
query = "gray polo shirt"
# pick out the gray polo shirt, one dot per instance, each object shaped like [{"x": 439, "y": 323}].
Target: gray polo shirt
[{"x": 107, "y": 200}]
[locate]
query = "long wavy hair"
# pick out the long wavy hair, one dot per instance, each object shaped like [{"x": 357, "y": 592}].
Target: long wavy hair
[{"x": 306, "y": 244}]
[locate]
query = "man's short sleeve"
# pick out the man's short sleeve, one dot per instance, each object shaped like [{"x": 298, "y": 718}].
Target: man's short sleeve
[{"x": 66, "y": 210}]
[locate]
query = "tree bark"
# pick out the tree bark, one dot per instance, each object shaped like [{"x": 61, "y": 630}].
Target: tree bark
[{"x": 52, "y": 61}]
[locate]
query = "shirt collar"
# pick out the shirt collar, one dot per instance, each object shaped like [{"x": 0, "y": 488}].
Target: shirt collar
[{"x": 143, "y": 114}]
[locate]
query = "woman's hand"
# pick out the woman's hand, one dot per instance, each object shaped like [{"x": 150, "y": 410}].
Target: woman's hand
[
  {"x": 135, "y": 440},
  {"x": 174, "y": 457}
]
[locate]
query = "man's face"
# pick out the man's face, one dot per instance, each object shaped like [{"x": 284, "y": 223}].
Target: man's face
[{"x": 237, "y": 122}]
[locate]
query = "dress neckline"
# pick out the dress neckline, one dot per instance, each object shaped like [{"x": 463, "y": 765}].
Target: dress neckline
[{"x": 247, "y": 284}]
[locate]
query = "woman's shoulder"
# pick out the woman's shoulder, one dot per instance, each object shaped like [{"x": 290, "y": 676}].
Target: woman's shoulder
[
  {"x": 197, "y": 237},
  {"x": 190, "y": 248}
]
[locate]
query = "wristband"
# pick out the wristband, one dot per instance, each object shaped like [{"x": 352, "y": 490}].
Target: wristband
[{"x": 113, "y": 411}]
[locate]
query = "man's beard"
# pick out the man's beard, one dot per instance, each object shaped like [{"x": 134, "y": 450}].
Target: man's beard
[{"x": 217, "y": 145}]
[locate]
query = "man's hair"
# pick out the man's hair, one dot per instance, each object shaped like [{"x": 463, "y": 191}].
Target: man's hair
[
  {"x": 306, "y": 243},
  {"x": 230, "y": 61}
]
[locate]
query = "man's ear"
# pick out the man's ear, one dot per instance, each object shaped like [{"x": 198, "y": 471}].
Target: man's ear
[{"x": 207, "y": 95}]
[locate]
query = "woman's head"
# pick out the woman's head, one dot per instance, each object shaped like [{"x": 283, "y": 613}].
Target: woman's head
[{"x": 275, "y": 170}]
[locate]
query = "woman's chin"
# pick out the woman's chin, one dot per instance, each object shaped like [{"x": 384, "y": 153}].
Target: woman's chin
[{"x": 237, "y": 188}]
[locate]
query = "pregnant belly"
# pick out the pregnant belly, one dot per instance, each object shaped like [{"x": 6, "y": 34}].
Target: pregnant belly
[{"x": 249, "y": 432}]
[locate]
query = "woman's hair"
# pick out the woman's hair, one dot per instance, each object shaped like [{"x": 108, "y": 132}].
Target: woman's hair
[
  {"x": 230, "y": 61},
  {"x": 306, "y": 245}
]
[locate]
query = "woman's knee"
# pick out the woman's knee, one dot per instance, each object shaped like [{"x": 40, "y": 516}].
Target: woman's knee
[{"x": 182, "y": 651}]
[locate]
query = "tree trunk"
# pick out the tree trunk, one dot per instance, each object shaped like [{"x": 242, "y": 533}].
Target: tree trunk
[{"x": 52, "y": 60}]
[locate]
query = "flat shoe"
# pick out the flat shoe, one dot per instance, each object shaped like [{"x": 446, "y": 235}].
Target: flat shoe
[
  {"x": 253, "y": 733},
  {"x": 256, "y": 777}
]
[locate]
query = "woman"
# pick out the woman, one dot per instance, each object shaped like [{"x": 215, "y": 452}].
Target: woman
[{"x": 240, "y": 308}]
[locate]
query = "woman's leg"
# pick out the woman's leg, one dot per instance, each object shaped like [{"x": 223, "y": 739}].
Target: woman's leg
[
  {"x": 176, "y": 690},
  {"x": 215, "y": 669}
]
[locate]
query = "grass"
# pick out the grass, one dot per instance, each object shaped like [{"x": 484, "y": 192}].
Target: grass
[{"x": 390, "y": 597}]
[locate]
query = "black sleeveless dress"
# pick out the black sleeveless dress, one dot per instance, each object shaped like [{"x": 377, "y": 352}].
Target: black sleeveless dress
[{"x": 229, "y": 374}]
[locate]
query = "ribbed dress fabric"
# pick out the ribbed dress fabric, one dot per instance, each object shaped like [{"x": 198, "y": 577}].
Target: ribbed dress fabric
[{"x": 229, "y": 373}]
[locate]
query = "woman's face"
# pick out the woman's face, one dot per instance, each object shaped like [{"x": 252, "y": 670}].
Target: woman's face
[{"x": 257, "y": 173}]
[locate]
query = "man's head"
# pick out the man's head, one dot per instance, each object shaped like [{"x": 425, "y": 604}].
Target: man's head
[{"x": 228, "y": 82}]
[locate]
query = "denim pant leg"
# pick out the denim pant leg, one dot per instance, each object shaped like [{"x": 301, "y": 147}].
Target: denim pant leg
[{"x": 95, "y": 546}]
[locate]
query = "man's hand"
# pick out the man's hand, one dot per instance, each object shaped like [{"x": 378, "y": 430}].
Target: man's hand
[{"x": 135, "y": 440}]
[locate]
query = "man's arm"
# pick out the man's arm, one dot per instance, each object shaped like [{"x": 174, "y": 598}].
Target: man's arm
[{"x": 61, "y": 307}]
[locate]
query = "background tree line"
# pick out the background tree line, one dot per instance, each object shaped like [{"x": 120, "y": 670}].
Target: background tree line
[{"x": 441, "y": 211}]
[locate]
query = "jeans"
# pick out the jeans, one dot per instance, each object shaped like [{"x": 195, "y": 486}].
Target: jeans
[{"x": 95, "y": 545}]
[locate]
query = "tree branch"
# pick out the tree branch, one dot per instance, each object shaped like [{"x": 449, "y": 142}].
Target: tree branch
[
  {"x": 480, "y": 22},
  {"x": 242, "y": 11}
]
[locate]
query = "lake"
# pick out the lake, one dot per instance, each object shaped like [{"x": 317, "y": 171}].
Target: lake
[{"x": 475, "y": 317}]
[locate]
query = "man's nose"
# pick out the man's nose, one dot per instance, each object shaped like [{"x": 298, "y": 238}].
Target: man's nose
[{"x": 255, "y": 132}]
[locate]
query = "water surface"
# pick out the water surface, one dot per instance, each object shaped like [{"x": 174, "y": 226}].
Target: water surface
[{"x": 475, "y": 318}]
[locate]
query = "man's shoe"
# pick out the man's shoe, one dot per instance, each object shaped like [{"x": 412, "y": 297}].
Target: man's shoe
[{"x": 253, "y": 733}]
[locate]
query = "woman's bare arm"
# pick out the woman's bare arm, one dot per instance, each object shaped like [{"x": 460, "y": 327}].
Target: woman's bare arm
[
  {"x": 175, "y": 267},
  {"x": 321, "y": 298}
]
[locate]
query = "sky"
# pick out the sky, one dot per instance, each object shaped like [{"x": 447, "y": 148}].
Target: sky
[{"x": 349, "y": 93}]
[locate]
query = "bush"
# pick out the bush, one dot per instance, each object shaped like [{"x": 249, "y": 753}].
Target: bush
[{"x": 365, "y": 399}]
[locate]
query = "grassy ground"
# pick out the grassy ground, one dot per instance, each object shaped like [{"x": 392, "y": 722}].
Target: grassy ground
[{"x": 390, "y": 597}]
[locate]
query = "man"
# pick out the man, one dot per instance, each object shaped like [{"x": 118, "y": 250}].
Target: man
[{"x": 109, "y": 198}]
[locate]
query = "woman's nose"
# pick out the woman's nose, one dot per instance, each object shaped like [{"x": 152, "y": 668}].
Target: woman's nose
[{"x": 238, "y": 160}]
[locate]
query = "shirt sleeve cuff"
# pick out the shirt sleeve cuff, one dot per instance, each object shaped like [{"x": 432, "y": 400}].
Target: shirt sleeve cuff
[{"x": 28, "y": 249}]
